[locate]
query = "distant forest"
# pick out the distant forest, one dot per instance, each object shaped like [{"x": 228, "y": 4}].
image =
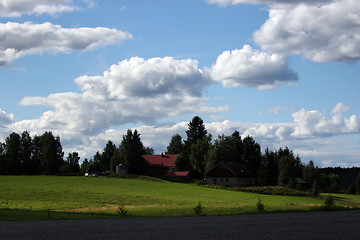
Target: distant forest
[{"x": 23, "y": 154}]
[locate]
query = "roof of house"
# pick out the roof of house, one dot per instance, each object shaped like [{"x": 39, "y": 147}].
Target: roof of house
[
  {"x": 300, "y": 180},
  {"x": 239, "y": 169},
  {"x": 167, "y": 160}
]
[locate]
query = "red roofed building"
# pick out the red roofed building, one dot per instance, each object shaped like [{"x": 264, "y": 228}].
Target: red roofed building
[{"x": 162, "y": 166}]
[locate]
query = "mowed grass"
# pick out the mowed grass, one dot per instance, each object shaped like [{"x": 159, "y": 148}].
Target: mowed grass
[{"x": 81, "y": 197}]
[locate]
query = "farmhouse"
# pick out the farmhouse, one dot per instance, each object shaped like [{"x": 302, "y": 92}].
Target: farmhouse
[
  {"x": 230, "y": 174},
  {"x": 162, "y": 166}
]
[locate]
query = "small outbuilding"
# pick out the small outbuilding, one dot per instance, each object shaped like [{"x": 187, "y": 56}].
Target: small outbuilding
[
  {"x": 121, "y": 169},
  {"x": 230, "y": 174}
]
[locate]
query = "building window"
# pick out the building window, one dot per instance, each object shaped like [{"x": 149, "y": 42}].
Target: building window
[
  {"x": 227, "y": 180},
  {"x": 221, "y": 180}
]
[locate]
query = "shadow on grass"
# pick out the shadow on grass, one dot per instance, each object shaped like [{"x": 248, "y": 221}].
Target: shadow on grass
[{"x": 45, "y": 215}]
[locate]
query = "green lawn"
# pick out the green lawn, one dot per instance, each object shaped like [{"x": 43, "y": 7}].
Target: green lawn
[{"x": 142, "y": 197}]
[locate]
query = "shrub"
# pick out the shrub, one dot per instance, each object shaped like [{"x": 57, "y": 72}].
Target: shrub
[
  {"x": 260, "y": 206},
  {"x": 122, "y": 211},
  {"x": 273, "y": 190},
  {"x": 198, "y": 209},
  {"x": 329, "y": 202}
]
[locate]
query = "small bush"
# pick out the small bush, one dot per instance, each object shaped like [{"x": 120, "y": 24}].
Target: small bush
[
  {"x": 122, "y": 211},
  {"x": 199, "y": 182},
  {"x": 329, "y": 203},
  {"x": 260, "y": 206},
  {"x": 198, "y": 209}
]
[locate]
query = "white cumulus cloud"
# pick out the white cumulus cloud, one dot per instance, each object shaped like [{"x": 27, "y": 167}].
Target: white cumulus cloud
[
  {"x": 329, "y": 32},
  {"x": 16, "y": 8},
  {"x": 5, "y": 118},
  {"x": 314, "y": 123},
  {"x": 5, "y": 121},
  {"x": 320, "y": 30},
  {"x": 249, "y": 67},
  {"x": 20, "y": 39},
  {"x": 134, "y": 90},
  {"x": 224, "y": 3}
]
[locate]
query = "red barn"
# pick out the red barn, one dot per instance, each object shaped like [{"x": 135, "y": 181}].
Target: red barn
[{"x": 162, "y": 166}]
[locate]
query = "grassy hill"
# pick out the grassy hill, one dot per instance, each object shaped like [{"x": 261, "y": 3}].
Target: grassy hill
[{"x": 41, "y": 197}]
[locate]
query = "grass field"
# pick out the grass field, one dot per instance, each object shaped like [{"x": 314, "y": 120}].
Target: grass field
[{"x": 51, "y": 197}]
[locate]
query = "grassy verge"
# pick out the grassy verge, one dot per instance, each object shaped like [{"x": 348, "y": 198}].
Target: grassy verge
[{"x": 31, "y": 197}]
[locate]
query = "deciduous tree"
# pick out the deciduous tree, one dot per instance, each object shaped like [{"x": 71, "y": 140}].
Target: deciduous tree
[{"x": 176, "y": 145}]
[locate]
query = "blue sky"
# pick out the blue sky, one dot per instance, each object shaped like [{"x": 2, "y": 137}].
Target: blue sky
[{"x": 285, "y": 72}]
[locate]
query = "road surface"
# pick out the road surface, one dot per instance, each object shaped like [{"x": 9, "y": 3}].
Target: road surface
[{"x": 318, "y": 225}]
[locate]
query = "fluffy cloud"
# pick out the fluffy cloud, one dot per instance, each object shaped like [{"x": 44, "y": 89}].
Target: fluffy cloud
[
  {"x": 5, "y": 120},
  {"x": 309, "y": 124},
  {"x": 19, "y": 39},
  {"x": 134, "y": 90},
  {"x": 16, "y": 8},
  {"x": 224, "y": 3},
  {"x": 251, "y": 68},
  {"x": 138, "y": 77},
  {"x": 314, "y": 123},
  {"x": 330, "y": 32},
  {"x": 322, "y": 30}
]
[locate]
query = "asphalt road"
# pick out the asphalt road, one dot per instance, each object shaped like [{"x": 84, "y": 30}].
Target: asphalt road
[{"x": 319, "y": 225}]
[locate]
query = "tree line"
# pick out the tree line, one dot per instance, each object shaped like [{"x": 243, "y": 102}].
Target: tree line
[{"x": 199, "y": 153}]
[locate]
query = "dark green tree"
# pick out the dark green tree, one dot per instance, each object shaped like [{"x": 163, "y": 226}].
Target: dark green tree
[
  {"x": 223, "y": 150},
  {"x": 148, "y": 151},
  {"x": 196, "y": 131},
  {"x": 237, "y": 147},
  {"x": 106, "y": 155},
  {"x": 198, "y": 156},
  {"x": 315, "y": 188},
  {"x": 289, "y": 167},
  {"x": 35, "y": 155},
  {"x": 115, "y": 160},
  {"x": 73, "y": 160},
  {"x": 351, "y": 189},
  {"x": 175, "y": 145},
  {"x": 131, "y": 151},
  {"x": 251, "y": 154},
  {"x": 181, "y": 163},
  {"x": 51, "y": 158},
  {"x": 311, "y": 173},
  {"x": 334, "y": 182},
  {"x": 357, "y": 184},
  {"x": 13, "y": 154},
  {"x": 26, "y": 150},
  {"x": 268, "y": 171},
  {"x": 85, "y": 165},
  {"x": 95, "y": 164}
]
